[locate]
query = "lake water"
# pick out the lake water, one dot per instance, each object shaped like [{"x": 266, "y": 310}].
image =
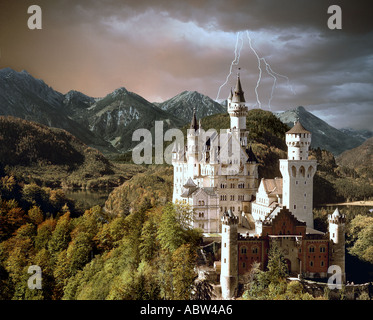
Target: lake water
[{"x": 88, "y": 198}]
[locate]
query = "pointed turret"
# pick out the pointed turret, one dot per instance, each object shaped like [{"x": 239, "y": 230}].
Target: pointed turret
[
  {"x": 194, "y": 124},
  {"x": 251, "y": 155},
  {"x": 337, "y": 229},
  {"x": 230, "y": 97},
  {"x": 238, "y": 93}
]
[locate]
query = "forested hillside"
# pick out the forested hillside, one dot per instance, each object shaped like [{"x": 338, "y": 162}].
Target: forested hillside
[
  {"x": 146, "y": 254},
  {"x": 53, "y": 157}
]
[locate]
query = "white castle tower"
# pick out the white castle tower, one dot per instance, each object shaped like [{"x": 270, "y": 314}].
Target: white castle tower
[
  {"x": 193, "y": 147},
  {"x": 337, "y": 231},
  {"x": 229, "y": 254},
  {"x": 238, "y": 111},
  {"x": 297, "y": 172}
]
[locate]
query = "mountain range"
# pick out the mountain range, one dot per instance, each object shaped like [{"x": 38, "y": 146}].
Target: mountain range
[
  {"x": 182, "y": 105},
  {"x": 107, "y": 123},
  {"x": 324, "y": 136}
]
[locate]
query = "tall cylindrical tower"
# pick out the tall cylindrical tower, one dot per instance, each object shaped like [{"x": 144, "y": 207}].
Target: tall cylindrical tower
[
  {"x": 337, "y": 232},
  {"x": 238, "y": 111},
  {"x": 298, "y": 172},
  {"x": 229, "y": 255}
]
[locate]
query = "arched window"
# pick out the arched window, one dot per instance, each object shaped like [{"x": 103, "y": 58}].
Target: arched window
[
  {"x": 311, "y": 248},
  {"x": 293, "y": 171},
  {"x": 302, "y": 171},
  {"x": 310, "y": 171},
  {"x": 243, "y": 250},
  {"x": 254, "y": 250},
  {"x": 322, "y": 248}
]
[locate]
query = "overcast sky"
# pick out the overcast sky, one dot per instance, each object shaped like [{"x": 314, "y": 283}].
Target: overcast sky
[{"x": 158, "y": 49}]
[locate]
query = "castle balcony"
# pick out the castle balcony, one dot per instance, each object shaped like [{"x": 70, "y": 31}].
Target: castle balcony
[{"x": 285, "y": 237}]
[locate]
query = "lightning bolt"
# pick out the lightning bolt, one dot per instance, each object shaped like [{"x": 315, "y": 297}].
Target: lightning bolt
[
  {"x": 270, "y": 72},
  {"x": 268, "y": 68},
  {"x": 236, "y": 60},
  {"x": 260, "y": 70},
  {"x": 282, "y": 76}
]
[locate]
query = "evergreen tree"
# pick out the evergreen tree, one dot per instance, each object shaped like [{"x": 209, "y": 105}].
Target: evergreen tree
[{"x": 277, "y": 267}]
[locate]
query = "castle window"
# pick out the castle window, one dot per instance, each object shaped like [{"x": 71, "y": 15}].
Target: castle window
[
  {"x": 243, "y": 265},
  {"x": 254, "y": 250},
  {"x": 302, "y": 171},
  {"x": 293, "y": 171},
  {"x": 311, "y": 248},
  {"x": 243, "y": 250},
  {"x": 310, "y": 171},
  {"x": 311, "y": 263},
  {"x": 232, "y": 197},
  {"x": 295, "y": 206},
  {"x": 201, "y": 214},
  {"x": 322, "y": 249},
  {"x": 321, "y": 263}
]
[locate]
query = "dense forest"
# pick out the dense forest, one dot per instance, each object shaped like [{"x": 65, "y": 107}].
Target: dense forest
[{"x": 149, "y": 253}]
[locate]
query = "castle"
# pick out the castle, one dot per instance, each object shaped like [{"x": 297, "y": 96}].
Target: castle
[{"x": 217, "y": 175}]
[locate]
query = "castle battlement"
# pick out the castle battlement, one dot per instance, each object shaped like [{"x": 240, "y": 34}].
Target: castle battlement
[
  {"x": 337, "y": 218},
  {"x": 229, "y": 220}
]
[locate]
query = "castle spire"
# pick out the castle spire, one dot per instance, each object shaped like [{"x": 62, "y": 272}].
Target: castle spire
[
  {"x": 230, "y": 95},
  {"x": 194, "y": 124},
  {"x": 238, "y": 95}
]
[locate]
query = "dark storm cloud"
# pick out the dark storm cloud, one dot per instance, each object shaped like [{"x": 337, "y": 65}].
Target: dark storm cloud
[{"x": 160, "y": 48}]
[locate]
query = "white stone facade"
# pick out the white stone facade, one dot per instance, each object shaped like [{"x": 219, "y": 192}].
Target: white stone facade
[
  {"x": 295, "y": 189},
  {"x": 217, "y": 172}
]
